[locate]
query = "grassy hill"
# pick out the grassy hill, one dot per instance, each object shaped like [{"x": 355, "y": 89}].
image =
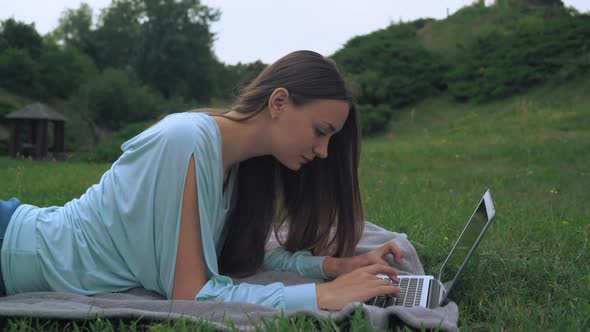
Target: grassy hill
[
  {"x": 426, "y": 174},
  {"x": 480, "y": 53},
  {"x": 448, "y": 37},
  {"x": 424, "y": 177}
]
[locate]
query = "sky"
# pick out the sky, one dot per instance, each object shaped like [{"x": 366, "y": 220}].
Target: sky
[{"x": 250, "y": 30}]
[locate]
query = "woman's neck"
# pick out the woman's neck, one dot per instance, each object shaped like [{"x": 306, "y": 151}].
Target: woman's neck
[{"x": 242, "y": 140}]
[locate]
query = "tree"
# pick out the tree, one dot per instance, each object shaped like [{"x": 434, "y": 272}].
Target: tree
[
  {"x": 20, "y": 35},
  {"x": 18, "y": 72},
  {"x": 75, "y": 30},
  {"x": 64, "y": 69},
  {"x": 177, "y": 57},
  {"x": 119, "y": 35},
  {"x": 230, "y": 79},
  {"x": 167, "y": 43}
]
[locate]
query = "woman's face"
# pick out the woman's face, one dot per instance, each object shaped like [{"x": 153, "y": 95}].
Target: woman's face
[{"x": 299, "y": 134}]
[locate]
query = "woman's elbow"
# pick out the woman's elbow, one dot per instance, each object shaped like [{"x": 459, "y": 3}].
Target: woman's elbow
[{"x": 187, "y": 290}]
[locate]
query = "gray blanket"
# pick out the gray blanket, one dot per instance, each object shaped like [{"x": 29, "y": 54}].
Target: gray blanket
[{"x": 140, "y": 303}]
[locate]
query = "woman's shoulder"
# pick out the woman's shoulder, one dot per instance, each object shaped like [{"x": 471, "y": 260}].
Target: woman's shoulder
[
  {"x": 188, "y": 117},
  {"x": 178, "y": 129}
]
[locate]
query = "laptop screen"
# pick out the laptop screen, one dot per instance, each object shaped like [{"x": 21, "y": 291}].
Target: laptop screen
[{"x": 467, "y": 241}]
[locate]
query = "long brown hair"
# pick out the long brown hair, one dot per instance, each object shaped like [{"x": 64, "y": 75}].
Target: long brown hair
[{"x": 321, "y": 202}]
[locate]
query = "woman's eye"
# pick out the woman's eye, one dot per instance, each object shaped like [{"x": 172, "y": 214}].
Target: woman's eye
[{"x": 319, "y": 132}]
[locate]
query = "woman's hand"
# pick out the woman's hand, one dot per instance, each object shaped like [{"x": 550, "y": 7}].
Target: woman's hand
[
  {"x": 357, "y": 286},
  {"x": 334, "y": 267}
]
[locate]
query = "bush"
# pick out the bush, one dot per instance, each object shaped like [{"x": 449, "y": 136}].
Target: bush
[
  {"x": 7, "y": 106},
  {"x": 3, "y": 147},
  {"x": 109, "y": 150},
  {"x": 19, "y": 35},
  {"x": 19, "y": 73},
  {"x": 374, "y": 118},
  {"x": 497, "y": 66},
  {"x": 115, "y": 99},
  {"x": 63, "y": 71},
  {"x": 390, "y": 67},
  {"x": 79, "y": 135}
]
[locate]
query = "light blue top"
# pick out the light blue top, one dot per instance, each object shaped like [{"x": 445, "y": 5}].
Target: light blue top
[{"x": 123, "y": 232}]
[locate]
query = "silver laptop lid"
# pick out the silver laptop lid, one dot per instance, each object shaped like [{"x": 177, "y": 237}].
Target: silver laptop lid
[{"x": 467, "y": 242}]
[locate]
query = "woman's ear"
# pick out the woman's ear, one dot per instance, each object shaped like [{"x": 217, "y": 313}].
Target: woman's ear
[{"x": 277, "y": 100}]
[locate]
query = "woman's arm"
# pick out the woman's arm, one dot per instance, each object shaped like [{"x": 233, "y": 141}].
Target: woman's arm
[
  {"x": 190, "y": 274},
  {"x": 301, "y": 262},
  {"x": 359, "y": 285},
  {"x": 325, "y": 267},
  {"x": 190, "y": 278},
  {"x": 334, "y": 267}
]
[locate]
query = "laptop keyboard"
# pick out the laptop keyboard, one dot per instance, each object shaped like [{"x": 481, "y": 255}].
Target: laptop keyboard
[{"x": 409, "y": 296}]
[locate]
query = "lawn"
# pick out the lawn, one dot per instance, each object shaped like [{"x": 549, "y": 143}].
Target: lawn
[{"x": 424, "y": 177}]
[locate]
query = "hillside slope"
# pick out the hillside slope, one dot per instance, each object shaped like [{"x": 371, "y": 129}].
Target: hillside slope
[{"x": 425, "y": 175}]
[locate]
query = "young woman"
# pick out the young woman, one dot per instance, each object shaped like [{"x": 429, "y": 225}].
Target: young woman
[{"x": 193, "y": 199}]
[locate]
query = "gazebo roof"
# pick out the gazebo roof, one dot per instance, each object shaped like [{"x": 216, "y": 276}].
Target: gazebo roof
[{"x": 36, "y": 111}]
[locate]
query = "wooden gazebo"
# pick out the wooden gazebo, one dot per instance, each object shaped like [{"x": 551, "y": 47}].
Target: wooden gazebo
[{"x": 29, "y": 129}]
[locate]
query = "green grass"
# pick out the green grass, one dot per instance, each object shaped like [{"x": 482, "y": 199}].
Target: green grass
[
  {"x": 424, "y": 177},
  {"x": 298, "y": 322},
  {"x": 426, "y": 174}
]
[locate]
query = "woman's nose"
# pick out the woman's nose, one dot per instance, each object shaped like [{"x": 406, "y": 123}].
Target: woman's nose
[{"x": 321, "y": 150}]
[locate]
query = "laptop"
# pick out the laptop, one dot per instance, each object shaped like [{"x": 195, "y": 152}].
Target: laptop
[{"x": 433, "y": 291}]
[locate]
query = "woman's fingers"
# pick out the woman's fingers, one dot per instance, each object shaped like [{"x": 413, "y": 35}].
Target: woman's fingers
[
  {"x": 384, "y": 286},
  {"x": 361, "y": 284},
  {"x": 383, "y": 262},
  {"x": 384, "y": 269},
  {"x": 391, "y": 248},
  {"x": 388, "y": 289},
  {"x": 395, "y": 250}
]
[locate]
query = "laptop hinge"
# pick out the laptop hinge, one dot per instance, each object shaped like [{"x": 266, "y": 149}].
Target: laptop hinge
[{"x": 434, "y": 294}]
